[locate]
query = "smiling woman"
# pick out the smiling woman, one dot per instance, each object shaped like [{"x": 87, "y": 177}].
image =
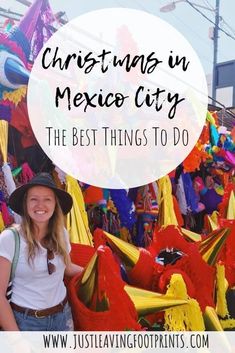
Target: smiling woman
[
  {"x": 39, "y": 299},
  {"x": 40, "y": 204}
]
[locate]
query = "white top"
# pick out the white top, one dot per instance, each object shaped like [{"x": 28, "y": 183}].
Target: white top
[{"x": 33, "y": 287}]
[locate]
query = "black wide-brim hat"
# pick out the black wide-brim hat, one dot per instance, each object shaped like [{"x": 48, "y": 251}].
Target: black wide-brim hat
[{"x": 42, "y": 179}]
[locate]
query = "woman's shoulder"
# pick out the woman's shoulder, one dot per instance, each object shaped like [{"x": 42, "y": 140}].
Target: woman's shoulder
[
  {"x": 10, "y": 230},
  {"x": 7, "y": 233},
  {"x": 7, "y": 243}
]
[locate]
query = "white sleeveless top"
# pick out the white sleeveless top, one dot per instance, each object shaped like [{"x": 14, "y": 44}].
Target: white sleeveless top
[{"x": 33, "y": 287}]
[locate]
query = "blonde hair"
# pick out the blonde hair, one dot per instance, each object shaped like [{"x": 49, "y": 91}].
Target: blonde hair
[{"x": 54, "y": 239}]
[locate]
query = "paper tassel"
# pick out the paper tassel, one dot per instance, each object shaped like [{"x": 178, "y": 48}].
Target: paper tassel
[
  {"x": 27, "y": 173},
  {"x": 192, "y": 161},
  {"x": 3, "y": 139},
  {"x": 5, "y": 214},
  {"x": 124, "y": 206},
  {"x": 61, "y": 175},
  {"x": 205, "y": 134},
  {"x": 228, "y": 324},
  {"x": 214, "y": 135},
  {"x": 9, "y": 181},
  {"x": 5, "y": 111},
  {"x": 15, "y": 96},
  {"x": 189, "y": 191},
  {"x": 231, "y": 206},
  {"x": 16, "y": 171},
  {"x": 214, "y": 220},
  {"x": 125, "y": 235},
  {"x": 210, "y": 118},
  {"x": 2, "y": 225},
  {"x": 181, "y": 196},
  {"x": 221, "y": 303},
  {"x": 77, "y": 221},
  {"x": 36, "y": 25},
  {"x": 211, "y": 320},
  {"x": 166, "y": 207},
  {"x": 187, "y": 317},
  {"x": 10, "y": 185}
]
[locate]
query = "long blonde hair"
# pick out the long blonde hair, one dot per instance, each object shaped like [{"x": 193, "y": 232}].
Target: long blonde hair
[{"x": 54, "y": 239}]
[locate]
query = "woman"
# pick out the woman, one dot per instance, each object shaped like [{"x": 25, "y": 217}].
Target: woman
[
  {"x": 198, "y": 186},
  {"x": 39, "y": 301}
]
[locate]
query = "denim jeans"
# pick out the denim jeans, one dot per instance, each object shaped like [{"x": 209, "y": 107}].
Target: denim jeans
[{"x": 61, "y": 321}]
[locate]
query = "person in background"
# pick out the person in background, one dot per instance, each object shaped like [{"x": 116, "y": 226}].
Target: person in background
[
  {"x": 198, "y": 186},
  {"x": 209, "y": 197},
  {"x": 39, "y": 298}
]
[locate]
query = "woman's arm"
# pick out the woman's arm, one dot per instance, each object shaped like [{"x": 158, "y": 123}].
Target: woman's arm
[
  {"x": 7, "y": 320},
  {"x": 72, "y": 269}
]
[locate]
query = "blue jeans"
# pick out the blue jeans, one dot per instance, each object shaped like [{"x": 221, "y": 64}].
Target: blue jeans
[{"x": 61, "y": 321}]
